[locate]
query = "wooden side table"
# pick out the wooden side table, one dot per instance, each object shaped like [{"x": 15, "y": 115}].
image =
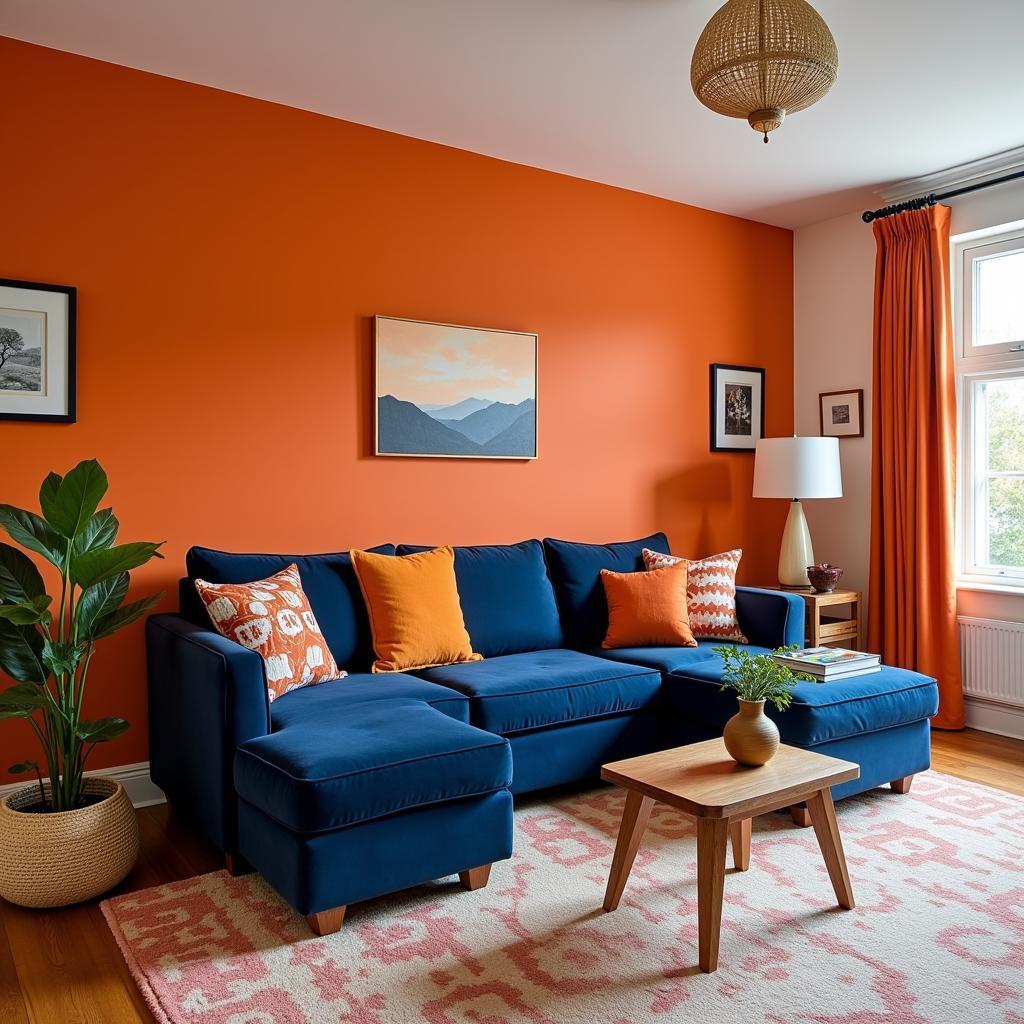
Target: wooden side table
[
  {"x": 824, "y": 630},
  {"x": 701, "y": 780}
]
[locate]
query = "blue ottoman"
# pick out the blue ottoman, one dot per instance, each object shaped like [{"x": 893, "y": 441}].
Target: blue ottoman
[
  {"x": 879, "y": 721},
  {"x": 366, "y": 798}
]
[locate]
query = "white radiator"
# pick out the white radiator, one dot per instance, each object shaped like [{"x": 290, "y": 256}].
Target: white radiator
[{"x": 992, "y": 658}]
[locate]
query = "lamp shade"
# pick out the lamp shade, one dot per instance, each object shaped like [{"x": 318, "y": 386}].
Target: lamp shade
[{"x": 797, "y": 467}]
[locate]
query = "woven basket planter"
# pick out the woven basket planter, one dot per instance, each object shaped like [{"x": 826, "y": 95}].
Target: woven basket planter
[{"x": 51, "y": 860}]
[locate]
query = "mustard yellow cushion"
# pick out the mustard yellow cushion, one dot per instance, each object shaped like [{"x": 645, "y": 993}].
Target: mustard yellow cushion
[{"x": 415, "y": 615}]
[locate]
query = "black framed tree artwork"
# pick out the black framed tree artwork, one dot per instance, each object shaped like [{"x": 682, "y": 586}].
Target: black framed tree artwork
[
  {"x": 737, "y": 407},
  {"x": 37, "y": 351}
]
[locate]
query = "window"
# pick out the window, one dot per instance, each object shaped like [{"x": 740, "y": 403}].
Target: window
[{"x": 990, "y": 341}]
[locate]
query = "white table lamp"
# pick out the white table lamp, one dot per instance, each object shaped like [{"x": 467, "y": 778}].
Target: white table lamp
[{"x": 797, "y": 467}]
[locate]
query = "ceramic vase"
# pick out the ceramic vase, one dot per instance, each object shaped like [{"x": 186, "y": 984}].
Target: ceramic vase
[{"x": 750, "y": 736}]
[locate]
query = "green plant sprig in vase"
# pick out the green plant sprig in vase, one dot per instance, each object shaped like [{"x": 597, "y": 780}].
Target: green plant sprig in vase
[
  {"x": 750, "y": 736},
  {"x": 47, "y": 646}
]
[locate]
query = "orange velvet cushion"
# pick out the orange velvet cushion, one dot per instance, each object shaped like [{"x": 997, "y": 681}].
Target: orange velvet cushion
[
  {"x": 647, "y": 609},
  {"x": 415, "y": 614}
]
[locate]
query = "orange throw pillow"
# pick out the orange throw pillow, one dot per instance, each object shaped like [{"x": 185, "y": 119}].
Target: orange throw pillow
[
  {"x": 415, "y": 615},
  {"x": 710, "y": 592},
  {"x": 647, "y": 609},
  {"x": 273, "y": 618}
]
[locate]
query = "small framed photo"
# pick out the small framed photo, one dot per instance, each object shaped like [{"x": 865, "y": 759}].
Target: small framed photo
[
  {"x": 842, "y": 413},
  {"x": 37, "y": 352},
  {"x": 737, "y": 407}
]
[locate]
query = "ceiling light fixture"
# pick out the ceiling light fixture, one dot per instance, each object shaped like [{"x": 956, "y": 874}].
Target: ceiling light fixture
[{"x": 762, "y": 60}]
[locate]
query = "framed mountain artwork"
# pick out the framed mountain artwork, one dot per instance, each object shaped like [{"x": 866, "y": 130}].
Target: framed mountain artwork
[{"x": 444, "y": 391}]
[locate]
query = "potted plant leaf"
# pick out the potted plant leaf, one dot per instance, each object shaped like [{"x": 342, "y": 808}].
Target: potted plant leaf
[
  {"x": 67, "y": 837},
  {"x": 750, "y": 736}
]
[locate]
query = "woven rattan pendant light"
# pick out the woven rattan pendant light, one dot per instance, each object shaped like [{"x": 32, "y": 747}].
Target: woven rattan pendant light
[{"x": 762, "y": 60}]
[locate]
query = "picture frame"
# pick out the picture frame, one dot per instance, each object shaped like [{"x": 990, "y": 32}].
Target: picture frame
[
  {"x": 450, "y": 391},
  {"x": 841, "y": 413},
  {"x": 37, "y": 351},
  {"x": 737, "y": 407}
]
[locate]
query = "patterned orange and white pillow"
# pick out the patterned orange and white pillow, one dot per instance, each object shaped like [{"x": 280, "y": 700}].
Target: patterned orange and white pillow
[
  {"x": 710, "y": 593},
  {"x": 273, "y": 618}
]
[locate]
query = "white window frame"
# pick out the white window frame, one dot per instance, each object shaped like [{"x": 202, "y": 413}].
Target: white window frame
[
  {"x": 968, "y": 256},
  {"x": 974, "y": 365}
]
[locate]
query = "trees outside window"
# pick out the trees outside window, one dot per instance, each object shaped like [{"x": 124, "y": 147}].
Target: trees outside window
[{"x": 990, "y": 327}]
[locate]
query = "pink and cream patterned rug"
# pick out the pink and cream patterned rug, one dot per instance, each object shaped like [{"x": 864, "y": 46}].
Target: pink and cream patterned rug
[{"x": 937, "y": 936}]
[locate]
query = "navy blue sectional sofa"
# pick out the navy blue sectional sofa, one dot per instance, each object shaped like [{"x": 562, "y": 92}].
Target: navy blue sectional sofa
[{"x": 358, "y": 787}]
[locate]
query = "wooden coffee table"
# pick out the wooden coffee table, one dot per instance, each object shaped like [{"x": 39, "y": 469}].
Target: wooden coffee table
[{"x": 703, "y": 781}]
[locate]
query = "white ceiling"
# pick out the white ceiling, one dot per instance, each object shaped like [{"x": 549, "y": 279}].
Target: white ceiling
[{"x": 595, "y": 88}]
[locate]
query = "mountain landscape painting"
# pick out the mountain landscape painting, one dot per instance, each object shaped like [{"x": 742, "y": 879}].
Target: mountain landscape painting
[{"x": 455, "y": 392}]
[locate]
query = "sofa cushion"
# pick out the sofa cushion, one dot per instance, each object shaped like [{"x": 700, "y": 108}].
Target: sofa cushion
[
  {"x": 669, "y": 659},
  {"x": 336, "y": 697},
  {"x": 376, "y": 758},
  {"x": 273, "y": 618},
  {"x": 518, "y": 692},
  {"x": 415, "y": 614},
  {"x": 576, "y": 573},
  {"x": 507, "y": 598},
  {"x": 710, "y": 592},
  {"x": 820, "y": 712},
  {"x": 647, "y": 609},
  {"x": 328, "y": 580}
]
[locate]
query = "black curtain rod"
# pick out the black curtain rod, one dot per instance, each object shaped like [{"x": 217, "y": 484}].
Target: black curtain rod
[{"x": 921, "y": 203}]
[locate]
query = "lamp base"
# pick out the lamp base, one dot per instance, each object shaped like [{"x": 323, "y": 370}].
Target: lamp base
[{"x": 796, "y": 553}]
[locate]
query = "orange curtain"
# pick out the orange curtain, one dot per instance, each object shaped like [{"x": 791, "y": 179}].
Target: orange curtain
[{"x": 912, "y": 607}]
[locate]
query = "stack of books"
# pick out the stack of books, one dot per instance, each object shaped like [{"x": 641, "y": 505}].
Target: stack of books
[{"x": 829, "y": 663}]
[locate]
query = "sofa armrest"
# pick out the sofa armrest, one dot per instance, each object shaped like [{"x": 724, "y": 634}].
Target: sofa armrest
[
  {"x": 770, "y": 618},
  {"x": 207, "y": 695}
]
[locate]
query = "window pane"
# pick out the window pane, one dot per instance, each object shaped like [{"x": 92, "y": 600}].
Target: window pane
[
  {"x": 1004, "y": 400},
  {"x": 1006, "y": 521},
  {"x": 999, "y": 299}
]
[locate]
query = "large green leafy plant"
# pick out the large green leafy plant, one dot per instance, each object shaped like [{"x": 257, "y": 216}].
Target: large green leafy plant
[
  {"x": 47, "y": 649},
  {"x": 759, "y": 676}
]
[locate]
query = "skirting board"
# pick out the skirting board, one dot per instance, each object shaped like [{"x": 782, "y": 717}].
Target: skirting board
[
  {"x": 988, "y": 716},
  {"x": 141, "y": 789}
]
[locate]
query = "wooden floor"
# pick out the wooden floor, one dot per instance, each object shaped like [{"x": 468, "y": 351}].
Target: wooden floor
[{"x": 63, "y": 967}]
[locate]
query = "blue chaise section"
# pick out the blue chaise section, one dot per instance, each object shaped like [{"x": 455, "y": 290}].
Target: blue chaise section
[
  {"x": 880, "y": 720},
  {"x": 360, "y": 797},
  {"x": 328, "y": 789}
]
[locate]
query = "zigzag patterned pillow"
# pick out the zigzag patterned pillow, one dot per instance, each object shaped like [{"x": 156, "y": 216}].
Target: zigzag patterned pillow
[{"x": 710, "y": 593}]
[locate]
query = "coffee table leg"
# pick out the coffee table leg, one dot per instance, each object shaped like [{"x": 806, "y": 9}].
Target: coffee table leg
[
  {"x": 634, "y": 821},
  {"x": 740, "y": 831},
  {"x": 712, "y": 834},
  {"x": 826, "y": 828}
]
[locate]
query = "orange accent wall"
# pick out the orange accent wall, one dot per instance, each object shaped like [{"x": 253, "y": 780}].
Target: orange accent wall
[{"x": 229, "y": 254}]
